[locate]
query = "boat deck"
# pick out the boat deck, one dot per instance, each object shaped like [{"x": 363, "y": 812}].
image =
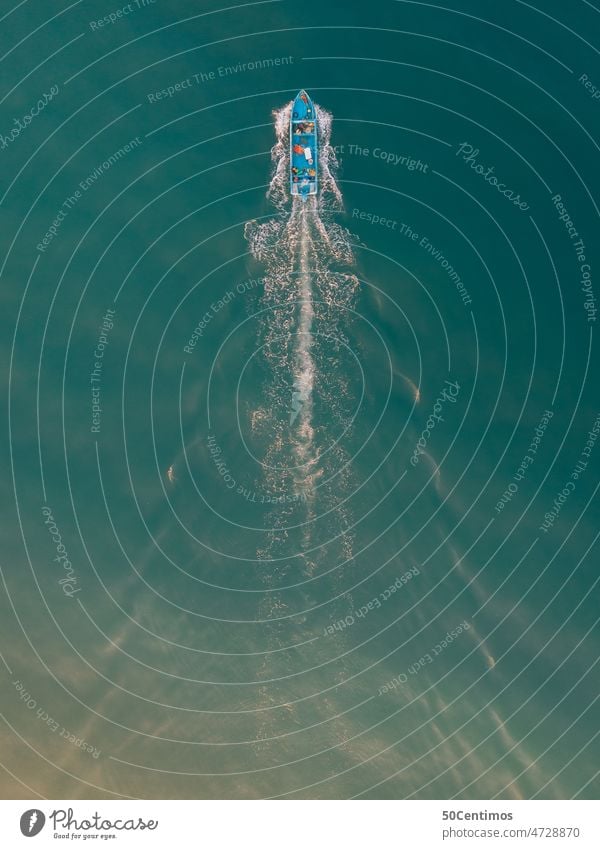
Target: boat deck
[{"x": 303, "y": 146}]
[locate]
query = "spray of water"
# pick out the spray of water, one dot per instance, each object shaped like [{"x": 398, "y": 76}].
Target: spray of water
[
  {"x": 308, "y": 396},
  {"x": 308, "y": 294}
]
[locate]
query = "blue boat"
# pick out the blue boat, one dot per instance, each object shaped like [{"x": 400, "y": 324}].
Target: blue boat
[{"x": 303, "y": 147}]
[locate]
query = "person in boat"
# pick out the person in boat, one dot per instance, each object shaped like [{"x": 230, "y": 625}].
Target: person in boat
[{"x": 297, "y": 148}]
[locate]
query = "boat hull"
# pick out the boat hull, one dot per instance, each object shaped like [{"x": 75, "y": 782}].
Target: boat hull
[{"x": 303, "y": 147}]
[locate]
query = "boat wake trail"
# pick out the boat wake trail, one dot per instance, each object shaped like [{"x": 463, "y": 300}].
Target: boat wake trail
[
  {"x": 307, "y": 303},
  {"x": 308, "y": 403}
]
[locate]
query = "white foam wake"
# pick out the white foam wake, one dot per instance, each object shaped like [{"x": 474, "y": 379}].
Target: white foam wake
[{"x": 306, "y": 304}]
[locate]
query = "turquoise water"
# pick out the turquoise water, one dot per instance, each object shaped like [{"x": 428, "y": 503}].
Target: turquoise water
[{"x": 301, "y": 500}]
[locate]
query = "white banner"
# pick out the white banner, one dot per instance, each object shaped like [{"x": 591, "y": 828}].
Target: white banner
[{"x": 301, "y": 824}]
